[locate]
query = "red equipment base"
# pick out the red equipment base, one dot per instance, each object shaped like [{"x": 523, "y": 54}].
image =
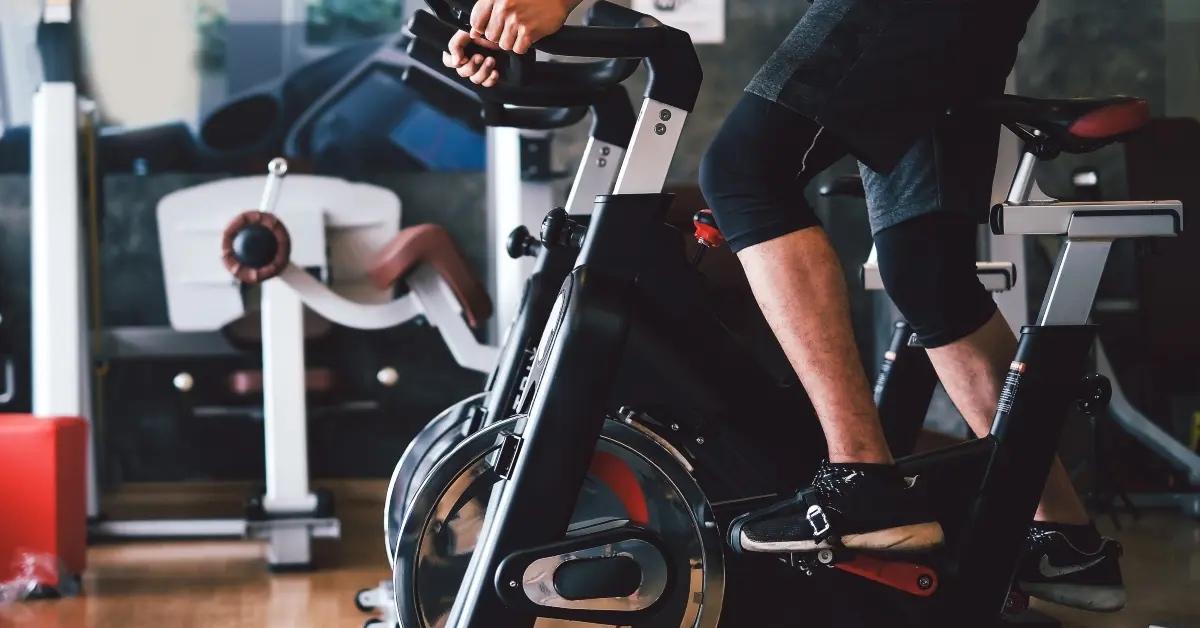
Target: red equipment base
[{"x": 43, "y": 495}]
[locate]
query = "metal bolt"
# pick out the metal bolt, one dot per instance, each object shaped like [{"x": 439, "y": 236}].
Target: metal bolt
[
  {"x": 699, "y": 440},
  {"x": 512, "y": 584},
  {"x": 924, "y": 582},
  {"x": 601, "y": 162},
  {"x": 660, "y": 129},
  {"x": 604, "y": 150},
  {"x": 278, "y": 166},
  {"x": 674, "y": 427},
  {"x": 664, "y": 115},
  {"x": 183, "y": 382}
]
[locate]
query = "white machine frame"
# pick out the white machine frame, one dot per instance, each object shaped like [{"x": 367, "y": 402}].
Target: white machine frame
[
  {"x": 335, "y": 226},
  {"x": 61, "y": 332}
]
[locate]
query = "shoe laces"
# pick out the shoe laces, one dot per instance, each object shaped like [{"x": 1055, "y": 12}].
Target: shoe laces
[
  {"x": 1040, "y": 538},
  {"x": 831, "y": 482}
]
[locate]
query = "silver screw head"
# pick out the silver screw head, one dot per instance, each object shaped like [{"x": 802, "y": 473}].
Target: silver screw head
[
  {"x": 278, "y": 166},
  {"x": 604, "y": 150},
  {"x": 512, "y": 584},
  {"x": 601, "y": 162},
  {"x": 664, "y": 115},
  {"x": 699, "y": 440},
  {"x": 660, "y": 129}
]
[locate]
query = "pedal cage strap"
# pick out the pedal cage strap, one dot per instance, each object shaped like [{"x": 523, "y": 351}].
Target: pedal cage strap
[{"x": 819, "y": 521}]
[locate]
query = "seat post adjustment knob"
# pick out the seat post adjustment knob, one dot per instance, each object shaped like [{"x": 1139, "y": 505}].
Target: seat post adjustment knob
[{"x": 521, "y": 244}]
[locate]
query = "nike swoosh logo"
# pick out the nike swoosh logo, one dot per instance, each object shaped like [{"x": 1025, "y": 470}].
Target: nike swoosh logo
[{"x": 1054, "y": 571}]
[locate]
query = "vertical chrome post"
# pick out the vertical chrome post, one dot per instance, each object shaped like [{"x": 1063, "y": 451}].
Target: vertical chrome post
[
  {"x": 1022, "y": 184},
  {"x": 1074, "y": 282},
  {"x": 597, "y": 173},
  {"x": 276, "y": 171},
  {"x": 651, "y": 149}
]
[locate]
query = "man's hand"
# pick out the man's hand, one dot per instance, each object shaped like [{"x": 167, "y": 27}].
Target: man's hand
[
  {"x": 517, "y": 24},
  {"x": 513, "y": 25},
  {"x": 479, "y": 68}
]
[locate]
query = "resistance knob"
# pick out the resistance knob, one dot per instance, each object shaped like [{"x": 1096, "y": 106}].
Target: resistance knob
[{"x": 559, "y": 230}]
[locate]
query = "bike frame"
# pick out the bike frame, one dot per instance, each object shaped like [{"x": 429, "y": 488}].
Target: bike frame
[{"x": 580, "y": 350}]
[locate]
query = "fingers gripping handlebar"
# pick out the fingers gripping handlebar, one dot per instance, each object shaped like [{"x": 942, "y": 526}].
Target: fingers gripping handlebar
[{"x": 614, "y": 33}]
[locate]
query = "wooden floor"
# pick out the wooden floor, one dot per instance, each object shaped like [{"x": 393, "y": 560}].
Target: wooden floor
[{"x": 205, "y": 584}]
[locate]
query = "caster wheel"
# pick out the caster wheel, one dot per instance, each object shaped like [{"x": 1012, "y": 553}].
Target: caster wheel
[
  {"x": 360, "y": 601},
  {"x": 373, "y": 623}
]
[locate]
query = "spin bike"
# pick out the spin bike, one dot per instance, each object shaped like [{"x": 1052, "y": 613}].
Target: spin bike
[{"x": 516, "y": 527}]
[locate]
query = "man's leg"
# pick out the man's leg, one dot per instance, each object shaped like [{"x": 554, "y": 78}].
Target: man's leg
[
  {"x": 754, "y": 175},
  {"x": 799, "y": 285}
]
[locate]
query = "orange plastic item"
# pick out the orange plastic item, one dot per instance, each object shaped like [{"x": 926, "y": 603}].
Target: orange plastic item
[
  {"x": 43, "y": 491},
  {"x": 707, "y": 234},
  {"x": 622, "y": 481},
  {"x": 918, "y": 580}
]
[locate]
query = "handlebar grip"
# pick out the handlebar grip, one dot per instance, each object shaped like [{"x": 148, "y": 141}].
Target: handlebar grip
[
  {"x": 458, "y": 102},
  {"x": 626, "y": 37},
  {"x": 532, "y": 118}
]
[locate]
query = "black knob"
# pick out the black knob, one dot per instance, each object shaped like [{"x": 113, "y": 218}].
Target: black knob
[
  {"x": 522, "y": 244},
  {"x": 1094, "y": 395},
  {"x": 255, "y": 246},
  {"x": 559, "y": 230}
]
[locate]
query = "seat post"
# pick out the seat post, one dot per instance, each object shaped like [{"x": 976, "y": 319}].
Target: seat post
[{"x": 1022, "y": 185}]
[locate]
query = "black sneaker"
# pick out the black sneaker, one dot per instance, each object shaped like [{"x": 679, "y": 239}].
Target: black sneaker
[
  {"x": 1073, "y": 566},
  {"x": 857, "y": 506}
]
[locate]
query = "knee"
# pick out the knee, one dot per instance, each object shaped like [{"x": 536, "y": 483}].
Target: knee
[
  {"x": 928, "y": 269},
  {"x": 721, "y": 180},
  {"x": 748, "y": 174}
]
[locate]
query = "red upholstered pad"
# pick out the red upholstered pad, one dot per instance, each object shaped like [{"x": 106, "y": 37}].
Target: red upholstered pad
[
  {"x": 1112, "y": 121},
  {"x": 433, "y": 245}
]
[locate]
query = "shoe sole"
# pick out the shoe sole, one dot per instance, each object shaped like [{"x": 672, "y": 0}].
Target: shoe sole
[
  {"x": 1097, "y": 598},
  {"x": 916, "y": 537}
]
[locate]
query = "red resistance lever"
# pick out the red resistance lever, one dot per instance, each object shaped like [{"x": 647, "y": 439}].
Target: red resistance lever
[
  {"x": 919, "y": 580},
  {"x": 707, "y": 233}
]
